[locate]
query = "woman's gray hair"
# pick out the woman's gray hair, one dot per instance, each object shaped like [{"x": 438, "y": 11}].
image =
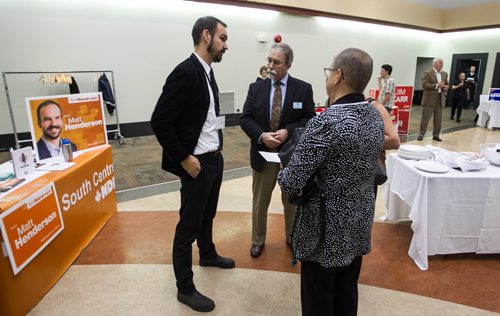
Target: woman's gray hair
[
  {"x": 356, "y": 66},
  {"x": 286, "y": 49}
]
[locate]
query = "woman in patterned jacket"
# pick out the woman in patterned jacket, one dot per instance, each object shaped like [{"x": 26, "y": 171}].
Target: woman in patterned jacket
[{"x": 332, "y": 230}]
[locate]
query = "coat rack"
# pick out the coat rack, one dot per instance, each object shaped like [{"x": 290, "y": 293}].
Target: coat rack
[{"x": 118, "y": 135}]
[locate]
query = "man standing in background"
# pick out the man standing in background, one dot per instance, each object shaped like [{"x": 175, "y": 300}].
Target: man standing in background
[
  {"x": 471, "y": 78},
  {"x": 273, "y": 109},
  {"x": 186, "y": 123},
  {"x": 435, "y": 84},
  {"x": 387, "y": 87}
]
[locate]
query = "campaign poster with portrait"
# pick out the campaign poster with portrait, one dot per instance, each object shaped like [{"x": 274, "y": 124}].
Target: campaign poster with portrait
[{"x": 77, "y": 119}]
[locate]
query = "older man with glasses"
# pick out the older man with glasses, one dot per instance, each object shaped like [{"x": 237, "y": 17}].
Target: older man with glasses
[{"x": 273, "y": 109}]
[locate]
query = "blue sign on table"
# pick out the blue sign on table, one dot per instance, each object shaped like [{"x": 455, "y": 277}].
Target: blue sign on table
[{"x": 494, "y": 95}]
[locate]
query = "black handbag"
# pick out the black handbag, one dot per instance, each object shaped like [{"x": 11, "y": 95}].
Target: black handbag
[
  {"x": 314, "y": 184},
  {"x": 380, "y": 170},
  {"x": 286, "y": 151}
]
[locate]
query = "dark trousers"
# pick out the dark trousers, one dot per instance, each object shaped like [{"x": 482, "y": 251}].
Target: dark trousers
[
  {"x": 199, "y": 199},
  {"x": 329, "y": 291},
  {"x": 456, "y": 106},
  {"x": 472, "y": 94}
]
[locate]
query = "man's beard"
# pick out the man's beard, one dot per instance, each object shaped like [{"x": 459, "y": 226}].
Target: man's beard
[
  {"x": 217, "y": 56},
  {"x": 271, "y": 74},
  {"x": 47, "y": 134}
]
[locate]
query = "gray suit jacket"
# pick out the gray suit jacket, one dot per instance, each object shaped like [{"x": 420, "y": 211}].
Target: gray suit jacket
[{"x": 431, "y": 96}]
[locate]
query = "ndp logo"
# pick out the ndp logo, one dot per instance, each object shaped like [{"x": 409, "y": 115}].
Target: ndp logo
[
  {"x": 103, "y": 181},
  {"x": 105, "y": 190}
]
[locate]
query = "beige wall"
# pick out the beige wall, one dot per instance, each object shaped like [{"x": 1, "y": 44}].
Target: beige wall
[
  {"x": 476, "y": 16},
  {"x": 400, "y": 12},
  {"x": 143, "y": 40}
]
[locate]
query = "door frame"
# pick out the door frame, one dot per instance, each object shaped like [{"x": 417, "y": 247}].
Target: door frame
[
  {"x": 484, "y": 60},
  {"x": 496, "y": 71}
]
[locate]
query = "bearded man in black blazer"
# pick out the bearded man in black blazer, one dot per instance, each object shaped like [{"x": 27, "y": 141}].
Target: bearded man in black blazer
[
  {"x": 186, "y": 123},
  {"x": 273, "y": 109}
]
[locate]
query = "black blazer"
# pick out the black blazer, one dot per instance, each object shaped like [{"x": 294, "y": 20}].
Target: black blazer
[
  {"x": 43, "y": 151},
  {"x": 180, "y": 113},
  {"x": 255, "y": 119}
]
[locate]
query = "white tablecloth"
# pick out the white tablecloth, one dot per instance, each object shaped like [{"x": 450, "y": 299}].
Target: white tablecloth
[
  {"x": 489, "y": 110},
  {"x": 454, "y": 212}
]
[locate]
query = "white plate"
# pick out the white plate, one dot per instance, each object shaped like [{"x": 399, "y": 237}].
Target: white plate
[
  {"x": 412, "y": 156},
  {"x": 413, "y": 148},
  {"x": 431, "y": 166}
]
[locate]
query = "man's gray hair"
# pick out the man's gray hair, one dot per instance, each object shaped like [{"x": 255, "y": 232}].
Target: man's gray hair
[
  {"x": 286, "y": 49},
  {"x": 435, "y": 60},
  {"x": 356, "y": 66}
]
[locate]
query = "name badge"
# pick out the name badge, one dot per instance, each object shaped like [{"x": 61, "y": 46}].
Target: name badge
[
  {"x": 221, "y": 122},
  {"x": 297, "y": 105}
]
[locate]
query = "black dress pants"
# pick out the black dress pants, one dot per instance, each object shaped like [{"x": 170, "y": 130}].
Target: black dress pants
[
  {"x": 456, "y": 106},
  {"x": 329, "y": 291},
  {"x": 199, "y": 198}
]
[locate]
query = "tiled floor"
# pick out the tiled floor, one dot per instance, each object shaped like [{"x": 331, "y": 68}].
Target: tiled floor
[{"x": 127, "y": 268}]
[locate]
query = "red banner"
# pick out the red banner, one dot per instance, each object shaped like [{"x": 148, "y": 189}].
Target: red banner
[
  {"x": 403, "y": 97},
  {"x": 403, "y": 122}
]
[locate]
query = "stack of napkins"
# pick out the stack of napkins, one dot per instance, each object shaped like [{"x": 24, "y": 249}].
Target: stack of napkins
[{"x": 465, "y": 161}]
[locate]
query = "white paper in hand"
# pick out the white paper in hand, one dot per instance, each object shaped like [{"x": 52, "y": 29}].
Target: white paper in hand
[{"x": 270, "y": 157}]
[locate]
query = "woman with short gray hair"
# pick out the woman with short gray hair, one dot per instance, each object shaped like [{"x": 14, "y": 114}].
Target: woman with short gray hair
[{"x": 332, "y": 230}]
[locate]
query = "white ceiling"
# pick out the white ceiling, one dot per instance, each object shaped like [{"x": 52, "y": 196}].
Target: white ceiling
[{"x": 452, "y": 4}]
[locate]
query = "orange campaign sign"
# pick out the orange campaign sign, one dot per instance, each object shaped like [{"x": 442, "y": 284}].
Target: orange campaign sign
[
  {"x": 29, "y": 226},
  {"x": 76, "y": 118}
]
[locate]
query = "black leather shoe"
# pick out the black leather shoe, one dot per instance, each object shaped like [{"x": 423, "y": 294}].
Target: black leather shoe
[
  {"x": 437, "y": 139},
  {"x": 196, "y": 301},
  {"x": 458, "y": 121},
  {"x": 256, "y": 251},
  {"x": 218, "y": 261},
  {"x": 420, "y": 137}
]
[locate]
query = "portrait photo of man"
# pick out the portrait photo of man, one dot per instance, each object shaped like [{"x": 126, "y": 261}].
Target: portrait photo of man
[{"x": 49, "y": 120}]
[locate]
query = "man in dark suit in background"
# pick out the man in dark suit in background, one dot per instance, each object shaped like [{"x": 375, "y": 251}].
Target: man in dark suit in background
[
  {"x": 186, "y": 123},
  {"x": 435, "y": 84},
  {"x": 273, "y": 109}
]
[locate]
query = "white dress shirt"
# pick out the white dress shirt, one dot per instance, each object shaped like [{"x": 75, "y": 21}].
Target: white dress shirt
[
  {"x": 438, "y": 76},
  {"x": 54, "y": 151},
  {"x": 209, "y": 136}
]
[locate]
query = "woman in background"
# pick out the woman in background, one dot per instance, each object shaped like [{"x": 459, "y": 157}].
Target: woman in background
[
  {"x": 461, "y": 94},
  {"x": 263, "y": 73},
  {"x": 332, "y": 230}
]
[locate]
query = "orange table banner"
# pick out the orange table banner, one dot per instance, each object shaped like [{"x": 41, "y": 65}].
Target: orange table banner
[{"x": 30, "y": 225}]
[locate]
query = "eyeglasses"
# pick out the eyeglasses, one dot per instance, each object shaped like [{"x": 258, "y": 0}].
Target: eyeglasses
[
  {"x": 274, "y": 61},
  {"x": 327, "y": 72}
]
